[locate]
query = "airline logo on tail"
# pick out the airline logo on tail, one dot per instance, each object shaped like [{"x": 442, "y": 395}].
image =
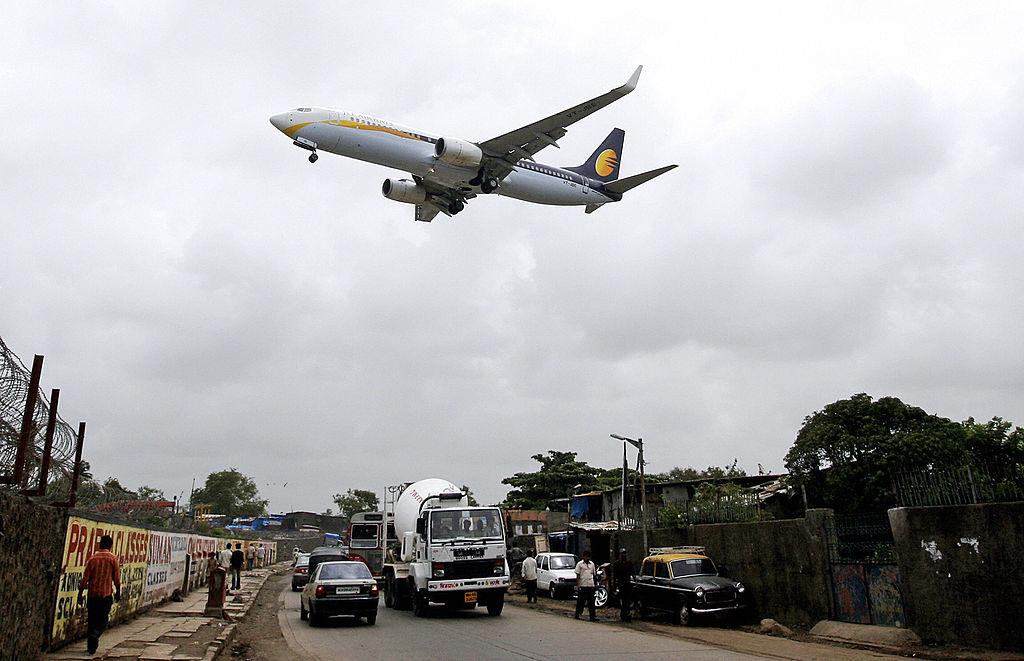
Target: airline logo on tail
[{"x": 606, "y": 162}]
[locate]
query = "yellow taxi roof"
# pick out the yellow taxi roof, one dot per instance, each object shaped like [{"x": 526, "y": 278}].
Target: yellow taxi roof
[{"x": 669, "y": 557}]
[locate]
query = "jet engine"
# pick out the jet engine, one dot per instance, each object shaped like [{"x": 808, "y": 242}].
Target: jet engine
[
  {"x": 458, "y": 152},
  {"x": 403, "y": 190}
]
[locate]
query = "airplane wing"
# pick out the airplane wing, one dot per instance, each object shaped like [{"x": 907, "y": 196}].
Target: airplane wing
[{"x": 526, "y": 141}]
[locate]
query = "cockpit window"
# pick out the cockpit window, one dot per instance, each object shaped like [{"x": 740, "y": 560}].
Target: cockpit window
[{"x": 304, "y": 109}]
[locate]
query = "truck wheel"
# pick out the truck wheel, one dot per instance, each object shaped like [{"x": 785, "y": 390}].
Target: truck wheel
[
  {"x": 495, "y": 605},
  {"x": 389, "y": 591},
  {"x": 419, "y": 605}
]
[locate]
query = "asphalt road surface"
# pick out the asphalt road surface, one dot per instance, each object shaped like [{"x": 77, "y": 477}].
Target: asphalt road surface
[{"x": 516, "y": 634}]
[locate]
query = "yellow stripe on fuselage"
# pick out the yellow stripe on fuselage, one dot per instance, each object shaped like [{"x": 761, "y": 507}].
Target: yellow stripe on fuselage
[{"x": 348, "y": 124}]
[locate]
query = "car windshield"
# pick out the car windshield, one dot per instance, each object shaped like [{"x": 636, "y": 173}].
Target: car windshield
[
  {"x": 693, "y": 567},
  {"x": 462, "y": 524},
  {"x": 563, "y": 562},
  {"x": 303, "y": 561},
  {"x": 346, "y": 570},
  {"x": 364, "y": 535}
]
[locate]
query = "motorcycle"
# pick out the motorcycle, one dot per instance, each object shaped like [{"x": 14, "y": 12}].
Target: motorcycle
[{"x": 601, "y": 593}]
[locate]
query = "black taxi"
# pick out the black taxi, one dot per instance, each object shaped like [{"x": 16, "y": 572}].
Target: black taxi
[{"x": 684, "y": 582}]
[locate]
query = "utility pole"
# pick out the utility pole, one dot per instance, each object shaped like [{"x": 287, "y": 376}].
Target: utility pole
[{"x": 638, "y": 443}]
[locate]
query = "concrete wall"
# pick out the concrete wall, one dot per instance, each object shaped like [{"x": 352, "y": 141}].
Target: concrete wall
[
  {"x": 961, "y": 571},
  {"x": 784, "y": 564},
  {"x": 31, "y": 541}
]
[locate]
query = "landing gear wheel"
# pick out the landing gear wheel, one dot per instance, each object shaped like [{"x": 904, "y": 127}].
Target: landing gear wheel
[
  {"x": 313, "y": 157},
  {"x": 303, "y": 613},
  {"x": 489, "y": 185},
  {"x": 495, "y": 605}
]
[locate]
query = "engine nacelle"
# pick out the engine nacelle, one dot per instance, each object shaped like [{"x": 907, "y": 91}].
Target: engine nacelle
[
  {"x": 403, "y": 190},
  {"x": 458, "y": 152}
]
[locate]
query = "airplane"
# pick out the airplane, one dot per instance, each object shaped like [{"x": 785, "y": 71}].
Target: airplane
[{"x": 447, "y": 172}]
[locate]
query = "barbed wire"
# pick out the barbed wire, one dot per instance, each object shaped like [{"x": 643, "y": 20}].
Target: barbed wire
[{"x": 14, "y": 386}]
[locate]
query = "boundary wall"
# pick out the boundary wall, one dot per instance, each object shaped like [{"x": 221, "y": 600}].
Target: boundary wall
[{"x": 43, "y": 552}]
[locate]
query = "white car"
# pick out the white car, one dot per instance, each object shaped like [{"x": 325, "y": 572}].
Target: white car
[{"x": 556, "y": 573}]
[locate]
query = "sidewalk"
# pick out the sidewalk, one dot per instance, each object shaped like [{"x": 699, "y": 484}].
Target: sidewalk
[{"x": 174, "y": 630}]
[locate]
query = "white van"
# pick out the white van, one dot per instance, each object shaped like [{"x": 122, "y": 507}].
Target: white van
[{"x": 556, "y": 573}]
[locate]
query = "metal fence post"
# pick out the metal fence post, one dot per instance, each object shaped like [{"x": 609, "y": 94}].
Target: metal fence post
[
  {"x": 51, "y": 427},
  {"x": 27, "y": 422}
]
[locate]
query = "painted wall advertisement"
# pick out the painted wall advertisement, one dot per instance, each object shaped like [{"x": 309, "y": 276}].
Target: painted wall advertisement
[
  {"x": 131, "y": 546},
  {"x": 153, "y": 565}
]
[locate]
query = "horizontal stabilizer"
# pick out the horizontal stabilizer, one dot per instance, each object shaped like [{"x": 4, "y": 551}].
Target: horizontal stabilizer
[
  {"x": 622, "y": 185},
  {"x": 591, "y": 208}
]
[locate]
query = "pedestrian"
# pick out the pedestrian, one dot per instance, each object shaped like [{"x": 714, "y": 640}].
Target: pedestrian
[
  {"x": 295, "y": 556},
  {"x": 529, "y": 572},
  {"x": 225, "y": 556},
  {"x": 622, "y": 574},
  {"x": 250, "y": 557},
  {"x": 237, "y": 560},
  {"x": 585, "y": 586},
  {"x": 261, "y": 556},
  {"x": 102, "y": 578}
]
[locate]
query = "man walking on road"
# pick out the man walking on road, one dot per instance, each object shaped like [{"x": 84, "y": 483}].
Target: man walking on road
[
  {"x": 622, "y": 574},
  {"x": 250, "y": 557},
  {"x": 225, "y": 556},
  {"x": 237, "y": 560},
  {"x": 261, "y": 556},
  {"x": 102, "y": 578},
  {"x": 585, "y": 586},
  {"x": 529, "y": 572}
]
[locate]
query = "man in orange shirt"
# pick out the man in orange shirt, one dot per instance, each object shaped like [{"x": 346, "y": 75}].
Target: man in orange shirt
[{"x": 102, "y": 578}]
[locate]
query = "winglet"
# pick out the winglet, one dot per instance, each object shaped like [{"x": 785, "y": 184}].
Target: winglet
[{"x": 631, "y": 83}]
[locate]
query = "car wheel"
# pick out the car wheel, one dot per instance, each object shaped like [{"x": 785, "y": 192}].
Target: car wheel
[
  {"x": 371, "y": 619},
  {"x": 644, "y": 611},
  {"x": 303, "y": 613},
  {"x": 682, "y": 616}
]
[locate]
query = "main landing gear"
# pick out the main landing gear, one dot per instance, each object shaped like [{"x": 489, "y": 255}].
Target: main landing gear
[
  {"x": 456, "y": 206},
  {"x": 487, "y": 183}
]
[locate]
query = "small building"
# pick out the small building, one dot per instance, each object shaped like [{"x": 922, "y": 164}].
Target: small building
[{"x": 535, "y": 522}]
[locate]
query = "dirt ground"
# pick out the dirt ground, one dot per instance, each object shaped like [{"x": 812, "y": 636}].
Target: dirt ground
[{"x": 259, "y": 635}]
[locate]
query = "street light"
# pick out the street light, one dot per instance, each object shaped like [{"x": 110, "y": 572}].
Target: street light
[{"x": 639, "y": 445}]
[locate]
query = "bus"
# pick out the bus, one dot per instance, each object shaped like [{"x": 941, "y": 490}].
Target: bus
[{"x": 366, "y": 539}]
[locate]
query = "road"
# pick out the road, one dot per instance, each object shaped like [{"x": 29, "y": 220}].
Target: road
[{"x": 517, "y": 634}]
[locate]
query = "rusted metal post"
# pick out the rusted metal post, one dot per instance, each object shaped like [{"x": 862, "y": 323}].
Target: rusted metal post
[
  {"x": 73, "y": 494},
  {"x": 27, "y": 421},
  {"x": 51, "y": 427}
]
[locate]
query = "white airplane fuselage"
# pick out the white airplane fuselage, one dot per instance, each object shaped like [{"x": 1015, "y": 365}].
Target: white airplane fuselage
[{"x": 385, "y": 143}]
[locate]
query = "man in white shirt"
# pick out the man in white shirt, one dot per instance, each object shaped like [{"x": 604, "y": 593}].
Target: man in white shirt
[
  {"x": 585, "y": 586},
  {"x": 529, "y": 572},
  {"x": 261, "y": 556},
  {"x": 225, "y": 557}
]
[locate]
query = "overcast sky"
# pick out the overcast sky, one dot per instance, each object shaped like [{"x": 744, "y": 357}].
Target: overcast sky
[{"x": 846, "y": 218}]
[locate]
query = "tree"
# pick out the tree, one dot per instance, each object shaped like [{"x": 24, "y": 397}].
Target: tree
[
  {"x": 230, "y": 493},
  {"x": 560, "y": 475},
  {"x": 679, "y": 474},
  {"x": 355, "y": 501},
  {"x": 469, "y": 494},
  {"x": 149, "y": 493},
  {"x": 846, "y": 454}
]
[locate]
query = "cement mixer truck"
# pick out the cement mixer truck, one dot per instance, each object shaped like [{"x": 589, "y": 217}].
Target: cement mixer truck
[{"x": 446, "y": 552}]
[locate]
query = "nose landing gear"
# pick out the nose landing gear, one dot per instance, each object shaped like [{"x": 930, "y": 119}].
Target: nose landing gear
[{"x": 313, "y": 157}]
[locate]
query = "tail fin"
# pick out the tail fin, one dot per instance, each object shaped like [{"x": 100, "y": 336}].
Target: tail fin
[{"x": 603, "y": 165}]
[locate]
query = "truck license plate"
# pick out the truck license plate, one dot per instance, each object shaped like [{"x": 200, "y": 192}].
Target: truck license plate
[
  {"x": 470, "y": 598},
  {"x": 346, "y": 590}
]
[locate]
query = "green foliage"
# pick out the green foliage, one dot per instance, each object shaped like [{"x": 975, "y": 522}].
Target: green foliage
[
  {"x": 861, "y": 442},
  {"x": 149, "y": 493},
  {"x": 680, "y": 474},
  {"x": 469, "y": 493},
  {"x": 355, "y": 501},
  {"x": 560, "y": 475},
  {"x": 230, "y": 493}
]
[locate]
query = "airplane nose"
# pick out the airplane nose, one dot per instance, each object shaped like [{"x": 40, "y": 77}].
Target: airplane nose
[{"x": 280, "y": 121}]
